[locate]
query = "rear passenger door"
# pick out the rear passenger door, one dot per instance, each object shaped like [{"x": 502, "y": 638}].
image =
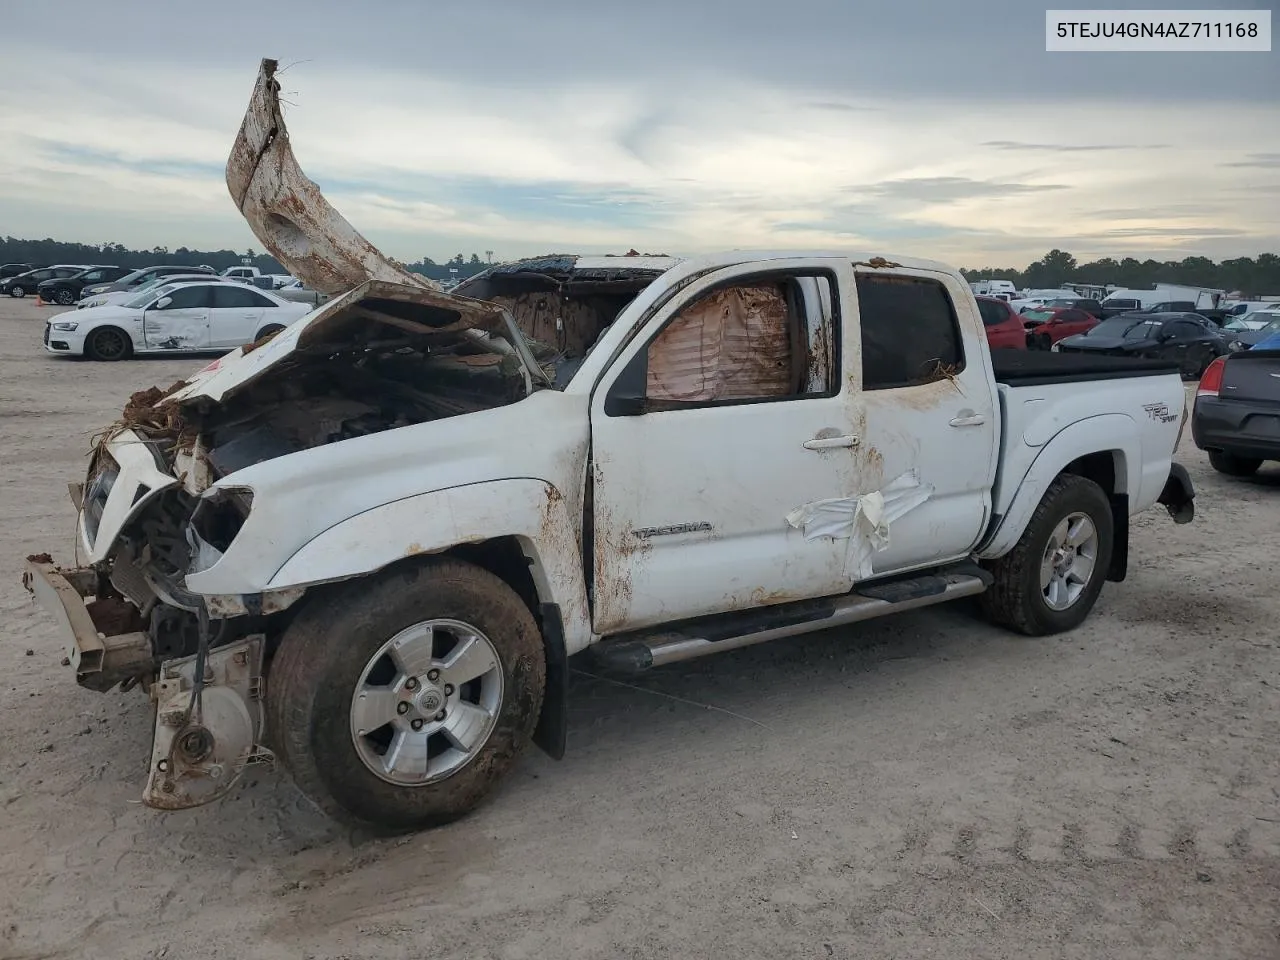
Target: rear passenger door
[
  {"x": 237, "y": 314},
  {"x": 931, "y": 423}
]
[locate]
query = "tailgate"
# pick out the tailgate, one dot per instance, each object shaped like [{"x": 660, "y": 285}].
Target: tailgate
[{"x": 1252, "y": 375}]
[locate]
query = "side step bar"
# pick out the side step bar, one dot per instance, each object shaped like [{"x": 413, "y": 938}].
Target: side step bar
[{"x": 633, "y": 653}]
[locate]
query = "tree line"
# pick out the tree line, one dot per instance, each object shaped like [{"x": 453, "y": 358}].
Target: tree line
[
  {"x": 1256, "y": 276},
  {"x": 1253, "y": 276},
  {"x": 43, "y": 253}
]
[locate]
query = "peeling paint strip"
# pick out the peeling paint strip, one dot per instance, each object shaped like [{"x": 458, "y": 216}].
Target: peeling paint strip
[{"x": 864, "y": 520}]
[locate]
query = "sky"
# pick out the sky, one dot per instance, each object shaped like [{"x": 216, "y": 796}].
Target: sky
[{"x": 940, "y": 130}]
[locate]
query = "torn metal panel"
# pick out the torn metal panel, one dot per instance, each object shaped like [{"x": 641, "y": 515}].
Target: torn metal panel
[
  {"x": 866, "y": 520},
  {"x": 287, "y": 211},
  {"x": 732, "y": 344}
]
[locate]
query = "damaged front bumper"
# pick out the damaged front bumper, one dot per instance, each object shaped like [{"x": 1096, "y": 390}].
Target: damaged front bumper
[
  {"x": 106, "y": 644},
  {"x": 209, "y": 714}
]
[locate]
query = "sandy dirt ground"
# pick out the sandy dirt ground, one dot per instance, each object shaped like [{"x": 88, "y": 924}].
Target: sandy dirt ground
[{"x": 921, "y": 786}]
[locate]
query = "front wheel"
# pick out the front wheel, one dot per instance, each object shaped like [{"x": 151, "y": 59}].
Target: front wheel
[
  {"x": 108, "y": 343},
  {"x": 1233, "y": 466},
  {"x": 65, "y": 297},
  {"x": 17, "y": 291},
  {"x": 270, "y": 330},
  {"x": 1051, "y": 579},
  {"x": 400, "y": 701}
]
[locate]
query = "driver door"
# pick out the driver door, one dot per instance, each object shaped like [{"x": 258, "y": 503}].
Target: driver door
[
  {"x": 726, "y": 413},
  {"x": 179, "y": 320}
]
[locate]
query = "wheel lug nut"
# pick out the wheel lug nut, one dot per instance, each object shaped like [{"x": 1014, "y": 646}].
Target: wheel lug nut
[
  {"x": 448, "y": 689},
  {"x": 402, "y": 707},
  {"x": 417, "y": 724},
  {"x": 411, "y": 683},
  {"x": 433, "y": 675},
  {"x": 440, "y": 716}
]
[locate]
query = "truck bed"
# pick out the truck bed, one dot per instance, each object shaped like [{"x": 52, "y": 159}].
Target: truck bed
[{"x": 1029, "y": 368}]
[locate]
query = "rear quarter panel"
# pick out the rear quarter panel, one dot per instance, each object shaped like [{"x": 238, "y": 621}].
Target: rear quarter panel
[{"x": 1134, "y": 419}]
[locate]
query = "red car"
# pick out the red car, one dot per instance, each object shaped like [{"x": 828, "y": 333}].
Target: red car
[
  {"x": 1047, "y": 326},
  {"x": 1003, "y": 327}
]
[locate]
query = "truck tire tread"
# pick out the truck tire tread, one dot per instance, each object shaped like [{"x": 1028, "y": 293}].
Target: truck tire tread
[
  {"x": 1014, "y": 601},
  {"x": 310, "y": 679}
]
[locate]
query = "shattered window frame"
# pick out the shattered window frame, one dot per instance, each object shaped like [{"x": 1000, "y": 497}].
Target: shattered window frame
[{"x": 633, "y": 378}]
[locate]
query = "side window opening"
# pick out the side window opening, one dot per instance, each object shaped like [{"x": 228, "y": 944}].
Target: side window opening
[
  {"x": 758, "y": 340},
  {"x": 910, "y": 331}
]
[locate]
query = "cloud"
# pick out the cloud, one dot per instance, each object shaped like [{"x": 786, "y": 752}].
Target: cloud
[
  {"x": 579, "y": 127},
  {"x": 1269, "y": 161},
  {"x": 1071, "y": 147},
  {"x": 949, "y": 189}
]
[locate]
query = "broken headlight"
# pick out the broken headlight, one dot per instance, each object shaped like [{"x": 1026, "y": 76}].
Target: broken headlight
[{"x": 215, "y": 523}]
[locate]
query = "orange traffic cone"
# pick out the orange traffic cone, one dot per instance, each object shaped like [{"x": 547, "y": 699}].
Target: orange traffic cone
[{"x": 39, "y": 301}]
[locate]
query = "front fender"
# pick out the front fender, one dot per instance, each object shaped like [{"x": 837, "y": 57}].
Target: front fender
[
  {"x": 1113, "y": 433},
  {"x": 531, "y": 510}
]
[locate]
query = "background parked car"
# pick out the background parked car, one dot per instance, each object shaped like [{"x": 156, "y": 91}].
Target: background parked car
[
  {"x": 138, "y": 277},
  {"x": 1242, "y": 334},
  {"x": 1047, "y": 326},
  {"x": 66, "y": 290},
  {"x": 298, "y": 292},
  {"x": 13, "y": 269},
  {"x": 1091, "y": 307},
  {"x": 120, "y": 296},
  {"x": 215, "y": 314},
  {"x": 1002, "y": 326},
  {"x": 1236, "y": 418},
  {"x": 1182, "y": 337},
  {"x": 25, "y": 283}
]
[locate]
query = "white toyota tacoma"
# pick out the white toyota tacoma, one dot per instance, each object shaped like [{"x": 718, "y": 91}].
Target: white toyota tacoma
[{"x": 368, "y": 546}]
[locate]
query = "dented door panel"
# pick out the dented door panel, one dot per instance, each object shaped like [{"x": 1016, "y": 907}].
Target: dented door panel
[
  {"x": 691, "y": 503},
  {"x": 183, "y": 329}
]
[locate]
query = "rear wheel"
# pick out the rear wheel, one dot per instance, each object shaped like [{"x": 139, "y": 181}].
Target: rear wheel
[
  {"x": 1233, "y": 466},
  {"x": 108, "y": 343},
  {"x": 270, "y": 330},
  {"x": 1051, "y": 579},
  {"x": 399, "y": 702}
]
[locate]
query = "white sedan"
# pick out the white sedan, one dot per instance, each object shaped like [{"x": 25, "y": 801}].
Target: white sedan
[{"x": 174, "y": 318}]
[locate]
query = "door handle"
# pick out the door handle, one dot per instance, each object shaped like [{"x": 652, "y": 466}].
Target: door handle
[
  {"x": 972, "y": 420},
  {"x": 830, "y": 443}
]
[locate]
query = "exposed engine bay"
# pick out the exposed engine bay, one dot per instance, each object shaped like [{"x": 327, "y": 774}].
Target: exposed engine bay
[{"x": 389, "y": 350}]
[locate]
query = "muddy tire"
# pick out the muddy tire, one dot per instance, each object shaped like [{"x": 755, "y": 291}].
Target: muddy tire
[
  {"x": 108, "y": 343},
  {"x": 1233, "y": 466},
  {"x": 330, "y": 657},
  {"x": 1051, "y": 579}
]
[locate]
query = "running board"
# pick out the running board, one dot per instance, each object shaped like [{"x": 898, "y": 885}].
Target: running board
[{"x": 633, "y": 653}]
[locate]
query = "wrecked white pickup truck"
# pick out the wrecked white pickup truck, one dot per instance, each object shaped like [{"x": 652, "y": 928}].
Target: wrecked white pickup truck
[{"x": 369, "y": 545}]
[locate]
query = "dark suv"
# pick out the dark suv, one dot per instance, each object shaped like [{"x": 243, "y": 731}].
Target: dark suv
[
  {"x": 25, "y": 283},
  {"x": 8, "y": 270},
  {"x": 66, "y": 290}
]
